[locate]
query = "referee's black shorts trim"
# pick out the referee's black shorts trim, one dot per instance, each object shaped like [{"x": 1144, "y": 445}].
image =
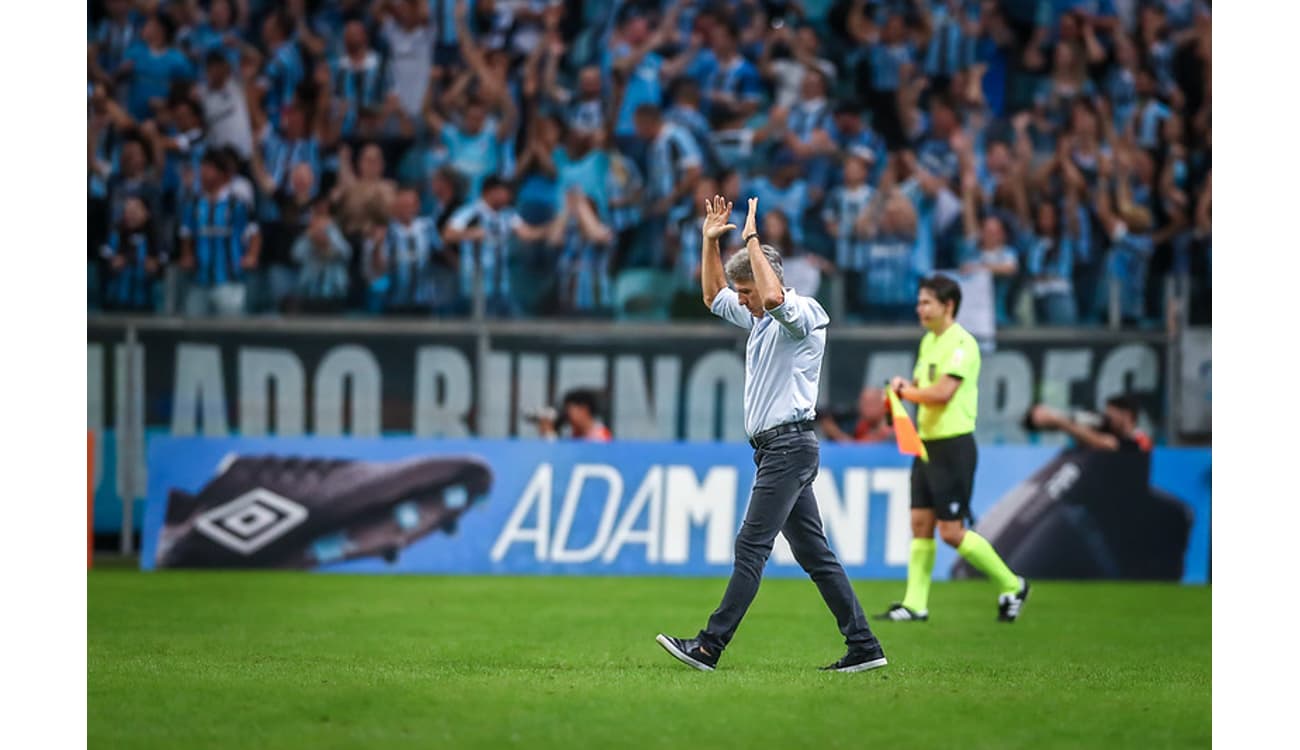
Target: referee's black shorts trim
[{"x": 945, "y": 484}]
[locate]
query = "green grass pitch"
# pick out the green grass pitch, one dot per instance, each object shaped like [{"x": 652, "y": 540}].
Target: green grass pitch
[{"x": 283, "y": 660}]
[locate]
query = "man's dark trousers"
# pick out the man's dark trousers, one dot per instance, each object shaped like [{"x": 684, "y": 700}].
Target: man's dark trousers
[{"x": 782, "y": 501}]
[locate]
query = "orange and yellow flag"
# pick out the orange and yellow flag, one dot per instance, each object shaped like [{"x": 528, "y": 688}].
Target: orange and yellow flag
[{"x": 909, "y": 443}]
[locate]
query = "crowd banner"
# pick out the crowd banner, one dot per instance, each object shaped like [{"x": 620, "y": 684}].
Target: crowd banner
[
  {"x": 412, "y": 505},
  {"x": 1194, "y": 383}
]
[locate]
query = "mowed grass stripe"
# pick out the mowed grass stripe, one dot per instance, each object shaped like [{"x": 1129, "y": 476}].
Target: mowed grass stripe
[{"x": 287, "y": 660}]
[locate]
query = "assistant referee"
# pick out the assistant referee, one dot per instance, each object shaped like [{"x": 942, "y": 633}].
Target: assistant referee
[{"x": 945, "y": 386}]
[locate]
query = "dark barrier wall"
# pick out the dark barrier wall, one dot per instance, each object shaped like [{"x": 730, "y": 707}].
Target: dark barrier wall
[{"x": 681, "y": 382}]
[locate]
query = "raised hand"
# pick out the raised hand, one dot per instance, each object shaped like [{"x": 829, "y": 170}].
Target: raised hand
[
  {"x": 751, "y": 221},
  {"x": 717, "y": 213}
]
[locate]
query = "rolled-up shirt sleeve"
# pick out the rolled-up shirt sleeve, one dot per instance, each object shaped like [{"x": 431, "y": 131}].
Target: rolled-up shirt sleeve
[
  {"x": 799, "y": 316},
  {"x": 726, "y": 305}
]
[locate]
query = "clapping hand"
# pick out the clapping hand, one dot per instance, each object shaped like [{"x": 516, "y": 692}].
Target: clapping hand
[
  {"x": 717, "y": 212},
  {"x": 751, "y": 221}
]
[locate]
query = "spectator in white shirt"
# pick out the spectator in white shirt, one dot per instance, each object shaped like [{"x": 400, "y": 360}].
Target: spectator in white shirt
[
  {"x": 410, "y": 38},
  {"x": 225, "y": 110},
  {"x": 787, "y": 56}
]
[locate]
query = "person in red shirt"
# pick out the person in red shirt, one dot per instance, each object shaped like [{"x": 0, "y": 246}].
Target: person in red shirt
[
  {"x": 871, "y": 426},
  {"x": 580, "y": 412}
]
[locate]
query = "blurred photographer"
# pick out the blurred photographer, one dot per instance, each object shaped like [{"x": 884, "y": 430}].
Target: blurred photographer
[
  {"x": 579, "y": 411},
  {"x": 871, "y": 426},
  {"x": 1114, "y": 430}
]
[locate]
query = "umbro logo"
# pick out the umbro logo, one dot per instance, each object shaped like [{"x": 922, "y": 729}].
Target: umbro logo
[{"x": 251, "y": 521}]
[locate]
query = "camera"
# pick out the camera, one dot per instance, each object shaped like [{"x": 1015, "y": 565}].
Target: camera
[{"x": 542, "y": 414}]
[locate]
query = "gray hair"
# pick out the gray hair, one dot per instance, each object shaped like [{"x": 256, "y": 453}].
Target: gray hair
[{"x": 739, "y": 269}]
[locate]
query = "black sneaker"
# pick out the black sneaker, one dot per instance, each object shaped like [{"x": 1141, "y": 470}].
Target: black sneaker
[
  {"x": 1009, "y": 605},
  {"x": 688, "y": 652},
  {"x": 898, "y": 613},
  {"x": 858, "y": 661},
  {"x": 284, "y": 511}
]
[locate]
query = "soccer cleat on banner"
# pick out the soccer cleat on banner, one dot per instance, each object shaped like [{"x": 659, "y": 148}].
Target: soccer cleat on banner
[
  {"x": 898, "y": 613},
  {"x": 1088, "y": 514},
  {"x": 1009, "y": 605},
  {"x": 295, "y": 512},
  {"x": 688, "y": 651},
  {"x": 858, "y": 661}
]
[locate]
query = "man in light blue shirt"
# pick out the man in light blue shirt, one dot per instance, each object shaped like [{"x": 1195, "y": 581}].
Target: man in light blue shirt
[
  {"x": 154, "y": 65},
  {"x": 783, "y": 358},
  {"x": 477, "y": 143},
  {"x": 730, "y": 83}
]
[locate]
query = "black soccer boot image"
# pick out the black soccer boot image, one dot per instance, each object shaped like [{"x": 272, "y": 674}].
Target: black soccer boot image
[
  {"x": 1086, "y": 515},
  {"x": 292, "y": 512}
]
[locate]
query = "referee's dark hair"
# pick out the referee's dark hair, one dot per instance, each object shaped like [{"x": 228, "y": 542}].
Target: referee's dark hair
[{"x": 944, "y": 289}]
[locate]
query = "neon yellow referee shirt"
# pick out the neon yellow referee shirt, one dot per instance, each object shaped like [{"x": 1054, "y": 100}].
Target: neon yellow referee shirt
[{"x": 954, "y": 353}]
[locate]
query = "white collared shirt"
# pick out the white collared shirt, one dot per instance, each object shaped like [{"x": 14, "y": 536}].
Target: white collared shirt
[{"x": 783, "y": 358}]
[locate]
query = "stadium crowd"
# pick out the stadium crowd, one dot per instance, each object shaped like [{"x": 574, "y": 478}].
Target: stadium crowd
[{"x": 395, "y": 156}]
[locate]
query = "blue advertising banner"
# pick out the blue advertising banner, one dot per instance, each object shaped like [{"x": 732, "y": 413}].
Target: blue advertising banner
[
  {"x": 296, "y": 378},
  {"x": 409, "y": 505}
]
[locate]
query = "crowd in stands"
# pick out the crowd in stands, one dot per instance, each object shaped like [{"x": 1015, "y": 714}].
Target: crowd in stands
[{"x": 551, "y": 158}]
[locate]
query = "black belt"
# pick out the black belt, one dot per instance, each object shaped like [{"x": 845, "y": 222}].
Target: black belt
[{"x": 766, "y": 436}]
